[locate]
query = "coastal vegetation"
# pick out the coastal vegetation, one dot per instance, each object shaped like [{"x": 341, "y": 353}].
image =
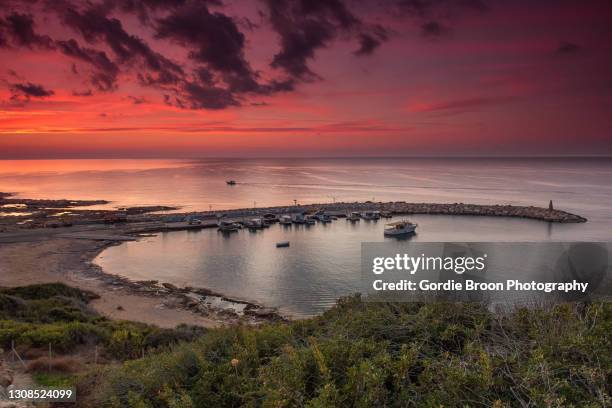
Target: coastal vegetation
[
  {"x": 54, "y": 316},
  {"x": 356, "y": 354}
]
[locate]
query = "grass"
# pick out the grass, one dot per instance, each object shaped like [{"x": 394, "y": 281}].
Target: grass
[{"x": 55, "y": 379}]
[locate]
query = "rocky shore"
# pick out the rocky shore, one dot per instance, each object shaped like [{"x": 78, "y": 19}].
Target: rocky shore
[{"x": 201, "y": 301}]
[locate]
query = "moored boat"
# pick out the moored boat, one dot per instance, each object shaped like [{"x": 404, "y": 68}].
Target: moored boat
[
  {"x": 354, "y": 216},
  {"x": 255, "y": 224},
  {"x": 370, "y": 215},
  {"x": 310, "y": 220},
  {"x": 399, "y": 228},
  {"x": 324, "y": 218},
  {"x": 298, "y": 219},
  {"x": 270, "y": 218},
  {"x": 230, "y": 182},
  {"x": 285, "y": 220},
  {"x": 228, "y": 226}
]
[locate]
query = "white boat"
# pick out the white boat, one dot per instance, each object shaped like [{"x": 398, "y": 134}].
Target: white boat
[
  {"x": 255, "y": 223},
  {"x": 228, "y": 226},
  {"x": 371, "y": 215},
  {"x": 398, "y": 228},
  {"x": 354, "y": 216},
  {"x": 193, "y": 221},
  {"x": 285, "y": 220}
]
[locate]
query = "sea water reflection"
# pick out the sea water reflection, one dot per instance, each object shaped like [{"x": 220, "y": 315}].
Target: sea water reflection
[{"x": 322, "y": 263}]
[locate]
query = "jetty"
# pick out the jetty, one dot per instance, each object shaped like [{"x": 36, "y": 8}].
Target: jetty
[
  {"x": 28, "y": 214},
  {"x": 405, "y": 208}
]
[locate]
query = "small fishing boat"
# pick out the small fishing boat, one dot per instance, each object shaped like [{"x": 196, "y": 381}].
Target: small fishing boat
[
  {"x": 255, "y": 224},
  {"x": 324, "y": 218},
  {"x": 298, "y": 219},
  {"x": 310, "y": 220},
  {"x": 270, "y": 218},
  {"x": 228, "y": 226},
  {"x": 283, "y": 244},
  {"x": 386, "y": 214},
  {"x": 193, "y": 221},
  {"x": 285, "y": 220},
  {"x": 231, "y": 182},
  {"x": 398, "y": 228},
  {"x": 371, "y": 215},
  {"x": 354, "y": 216}
]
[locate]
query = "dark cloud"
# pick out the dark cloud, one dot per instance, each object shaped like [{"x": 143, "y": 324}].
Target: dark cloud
[
  {"x": 214, "y": 40},
  {"x": 20, "y": 27},
  {"x": 95, "y": 26},
  {"x": 304, "y": 27},
  {"x": 429, "y": 8},
  {"x": 206, "y": 97},
  {"x": 218, "y": 74},
  {"x": 82, "y": 93},
  {"x": 222, "y": 75},
  {"x": 432, "y": 29},
  {"x": 144, "y": 8},
  {"x": 568, "y": 48},
  {"x": 369, "y": 42},
  {"x": 104, "y": 76},
  {"x": 30, "y": 90}
]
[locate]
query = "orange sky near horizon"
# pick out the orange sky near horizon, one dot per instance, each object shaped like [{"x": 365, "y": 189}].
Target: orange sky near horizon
[{"x": 503, "y": 79}]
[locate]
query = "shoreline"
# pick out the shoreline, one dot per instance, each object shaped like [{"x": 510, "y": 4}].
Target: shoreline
[{"x": 66, "y": 253}]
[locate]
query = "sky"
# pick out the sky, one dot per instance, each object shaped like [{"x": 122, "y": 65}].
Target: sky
[{"x": 283, "y": 78}]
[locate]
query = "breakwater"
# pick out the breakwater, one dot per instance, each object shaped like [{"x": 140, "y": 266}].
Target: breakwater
[{"x": 404, "y": 208}]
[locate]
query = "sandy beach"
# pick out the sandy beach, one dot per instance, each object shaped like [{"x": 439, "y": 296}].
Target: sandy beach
[{"x": 43, "y": 256}]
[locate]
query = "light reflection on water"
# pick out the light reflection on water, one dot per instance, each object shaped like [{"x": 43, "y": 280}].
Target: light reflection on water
[{"x": 322, "y": 263}]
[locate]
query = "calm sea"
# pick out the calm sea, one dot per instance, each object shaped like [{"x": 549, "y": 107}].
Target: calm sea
[{"x": 323, "y": 261}]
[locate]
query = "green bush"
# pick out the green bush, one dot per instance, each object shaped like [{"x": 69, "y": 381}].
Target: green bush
[
  {"x": 59, "y": 315},
  {"x": 50, "y": 290},
  {"x": 362, "y": 354}
]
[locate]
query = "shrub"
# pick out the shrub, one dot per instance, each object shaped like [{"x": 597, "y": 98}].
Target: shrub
[
  {"x": 361, "y": 354},
  {"x": 55, "y": 365}
]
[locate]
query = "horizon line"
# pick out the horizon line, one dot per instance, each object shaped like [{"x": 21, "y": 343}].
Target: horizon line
[{"x": 499, "y": 156}]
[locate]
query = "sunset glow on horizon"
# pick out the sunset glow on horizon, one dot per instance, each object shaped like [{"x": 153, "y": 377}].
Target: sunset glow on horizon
[{"x": 183, "y": 78}]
